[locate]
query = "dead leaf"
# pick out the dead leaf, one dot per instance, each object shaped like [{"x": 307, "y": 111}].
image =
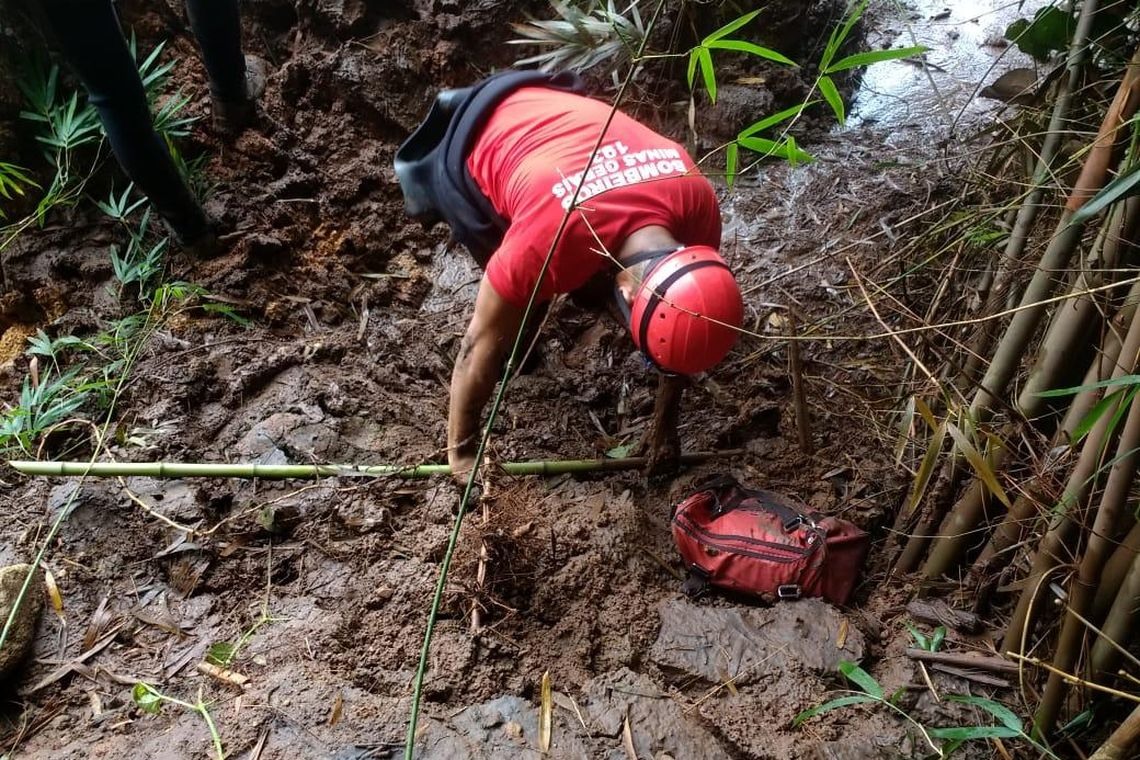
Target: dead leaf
[
  {"x": 53, "y": 593},
  {"x": 841, "y": 639},
  {"x": 627, "y": 738}
]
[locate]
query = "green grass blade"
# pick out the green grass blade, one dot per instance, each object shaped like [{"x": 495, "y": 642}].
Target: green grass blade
[
  {"x": 1088, "y": 422},
  {"x": 968, "y": 733}
]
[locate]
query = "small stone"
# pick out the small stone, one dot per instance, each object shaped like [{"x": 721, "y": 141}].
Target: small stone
[
  {"x": 512, "y": 729},
  {"x": 22, "y": 634}
]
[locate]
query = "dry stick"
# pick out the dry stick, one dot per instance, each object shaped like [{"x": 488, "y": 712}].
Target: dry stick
[
  {"x": 1072, "y": 507},
  {"x": 993, "y": 664},
  {"x": 1022, "y": 327},
  {"x": 1081, "y": 590},
  {"x": 1119, "y": 745},
  {"x": 803, "y": 422},
  {"x": 1066, "y": 335}
]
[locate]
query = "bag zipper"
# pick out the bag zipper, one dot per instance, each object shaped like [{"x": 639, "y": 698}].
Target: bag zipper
[{"x": 703, "y": 536}]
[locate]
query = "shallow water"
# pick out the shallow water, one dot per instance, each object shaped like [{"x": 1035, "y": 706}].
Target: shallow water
[{"x": 967, "y": 51}]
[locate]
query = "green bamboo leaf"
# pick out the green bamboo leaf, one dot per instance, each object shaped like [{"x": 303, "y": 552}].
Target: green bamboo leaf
[
  {"x": 978, "y": 462},
  {"x": 731, "y": 157},
  {"x": 851, "y": 699},
  {"x": 1124, "y": 186},
  {"x": 967, "y": 733},
  {"x": 730, "y": 27},
  {"x": 1007, "y": 717},
  {"x": 708, "y": 73},
  {"x": 771, "y": 121},
  {"x": 772, "y": 148},
  {"x": 1110, "y": 383},
  {"x": 692, "y": 73},
  {"x": 741, "y": 46},
  {"x": 839, "y": 34},
  {"x": 861, "y": 678},
  {"x": 1088, "y": 422},
  {"x": 834, "y": 99},
  {"x": 874, "y": 56}
]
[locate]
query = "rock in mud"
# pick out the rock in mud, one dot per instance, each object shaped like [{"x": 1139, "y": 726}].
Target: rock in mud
[
  {"x": 715, "y": 643},
  {"x": 658, "y": 724},
  {"x": 22, "y": 634}
]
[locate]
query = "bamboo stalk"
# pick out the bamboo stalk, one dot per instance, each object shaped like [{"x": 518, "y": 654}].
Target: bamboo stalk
[
  {"x": 1119, "y": 745},
  {"x": 1068, "y": 331},
  {"x": 1012, "y": 345},
  {"x": 1082, "y": 589},
  {"x": 1118, "y": 626},
  {"x": 1051, "y": 551},
  {"x": 308, "y": 471},
  {"x": 1013, "y": 526},
  {"x": 1115, "y": 571}
]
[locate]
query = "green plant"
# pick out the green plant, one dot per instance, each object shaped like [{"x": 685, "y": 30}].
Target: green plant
[
  {"x": 44, "y": 403},
  {"x": 700, "y": 57},
  {"x": 942, "y": 741},
  {"x": 582, "y": 38},
  {"x": 149, "y": 700},
  {"x": 140, "y": 262},
  {"x": 13, "y": 180},
  {"x": 928, "y": 643}
]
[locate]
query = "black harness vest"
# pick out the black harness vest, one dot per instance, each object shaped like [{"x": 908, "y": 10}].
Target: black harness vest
[{"x": 431, "y": 165}]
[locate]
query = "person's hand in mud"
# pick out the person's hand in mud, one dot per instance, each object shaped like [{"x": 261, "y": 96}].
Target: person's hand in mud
[
  {"x": 662, "y": 442},
  {"x": 478, "y": 366}
]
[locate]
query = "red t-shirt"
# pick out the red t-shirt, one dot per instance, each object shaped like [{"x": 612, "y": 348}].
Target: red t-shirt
[{"x": 529, "y": 159}]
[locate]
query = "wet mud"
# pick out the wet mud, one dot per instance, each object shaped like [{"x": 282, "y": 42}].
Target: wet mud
[{"x": 325, "y": 587}]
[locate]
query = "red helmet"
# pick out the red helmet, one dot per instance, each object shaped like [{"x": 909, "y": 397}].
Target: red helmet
[{"x": 687, "y": 311}]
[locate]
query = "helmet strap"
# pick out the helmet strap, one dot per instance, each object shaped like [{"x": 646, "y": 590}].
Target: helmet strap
[{"x": 654, "y": 256}]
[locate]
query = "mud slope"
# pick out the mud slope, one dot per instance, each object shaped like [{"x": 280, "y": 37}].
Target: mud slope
[{"x": 325, "y": 587}]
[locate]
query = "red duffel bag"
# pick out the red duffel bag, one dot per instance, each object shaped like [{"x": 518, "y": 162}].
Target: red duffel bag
[{"x": 761, "y": 543}]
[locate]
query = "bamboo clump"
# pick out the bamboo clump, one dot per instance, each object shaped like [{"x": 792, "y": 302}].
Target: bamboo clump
[{"x": 1067, "y": 543}]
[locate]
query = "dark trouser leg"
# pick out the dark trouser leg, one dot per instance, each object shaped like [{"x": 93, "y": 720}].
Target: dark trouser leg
[
  {"x": 217, "y": 26},
  {"x": 92, "y": 42}
]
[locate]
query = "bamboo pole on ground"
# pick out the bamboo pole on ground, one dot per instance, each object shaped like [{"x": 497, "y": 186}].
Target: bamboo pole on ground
[
  {"x": 1082, "y": 588},
  {"x": 928, "y": 519},
  {"x": 1069, "y": 328},
  {"x": 312, "y": 472},
  {"x": 1052, "y": 550}
]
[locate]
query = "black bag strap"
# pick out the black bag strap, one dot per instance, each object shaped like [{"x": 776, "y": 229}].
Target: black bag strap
[
  {"x": 696, "y": 582},
  {"x": 728, "y": 494}
]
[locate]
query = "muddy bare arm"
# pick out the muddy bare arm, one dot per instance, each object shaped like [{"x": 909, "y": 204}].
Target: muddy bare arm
[{"x": 488, "y": 338}]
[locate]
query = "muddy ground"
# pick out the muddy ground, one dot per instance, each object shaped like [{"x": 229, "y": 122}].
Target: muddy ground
[{"x": 356, "y": 316}]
